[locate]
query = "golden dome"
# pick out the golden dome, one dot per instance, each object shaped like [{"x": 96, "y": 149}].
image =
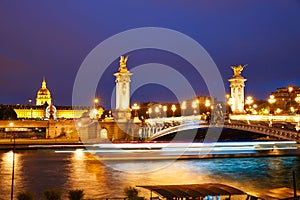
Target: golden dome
[
  {"x": 43, "y": 91},
  {"x": 43, "y": 95}
]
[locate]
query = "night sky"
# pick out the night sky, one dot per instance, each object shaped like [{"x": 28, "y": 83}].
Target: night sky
[{"x": 52, "y": 38}]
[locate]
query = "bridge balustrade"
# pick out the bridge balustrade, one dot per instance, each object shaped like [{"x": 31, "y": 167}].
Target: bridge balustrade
[
  {"x": 285, "y": 134},
  {"x": 271, "y": 131}
]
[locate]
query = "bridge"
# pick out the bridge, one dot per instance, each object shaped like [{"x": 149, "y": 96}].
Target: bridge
[
  {"x": 94, "y": 130},
  {"x": 280, "y": 133},
  {"x": 156, "y": 128}
]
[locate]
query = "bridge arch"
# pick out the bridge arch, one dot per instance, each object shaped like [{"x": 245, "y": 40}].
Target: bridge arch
[
  {"x": 104, "y": 134},
  {"x": 279, "y": 133}
]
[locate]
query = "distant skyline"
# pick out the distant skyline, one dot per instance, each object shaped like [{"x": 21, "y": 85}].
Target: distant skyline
[{"x": 52, "y": 38}]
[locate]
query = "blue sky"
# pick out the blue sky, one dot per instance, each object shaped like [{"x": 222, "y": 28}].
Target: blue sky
[{"x": 52, "y": 38}]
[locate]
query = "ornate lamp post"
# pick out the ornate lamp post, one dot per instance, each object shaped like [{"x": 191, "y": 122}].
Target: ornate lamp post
[
  {"x": 290, "y": 89},
  {"x": 183, "y": 107},
  {"x": 230, "y": 103},
  {"x": 96, "y": 101},
  {"x": 95, "y": 111},
  {"x": 173, "y": 108},
  {"x": 165, "y": 110},
  {"x": 278, "y": 111},
  {"x": 207, "y": 104},
  {"x": 254, "y": 109},
  {"x": 271, "y": 101},
  {"x": 194, "y": 106},
  {"x": 135, "y": 107},
  {"x": 249, "y": 101},
  {"x": 227, "y": 102},
  {"x": 157, "y": 111},
  {"x": 30, "y": 101}
]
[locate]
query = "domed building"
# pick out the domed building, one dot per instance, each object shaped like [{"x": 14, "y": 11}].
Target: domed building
[
  {"x": 44, "y": 108},
  {"x": 43, "y": 95}
]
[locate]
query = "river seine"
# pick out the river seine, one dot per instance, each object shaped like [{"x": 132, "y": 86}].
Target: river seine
[{"x": 38, "y": 170}]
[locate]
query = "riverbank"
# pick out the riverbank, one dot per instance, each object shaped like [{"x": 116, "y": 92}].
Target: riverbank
[
  {"x": 154, "y": 151},
  {"x": 24, "y": 144}
]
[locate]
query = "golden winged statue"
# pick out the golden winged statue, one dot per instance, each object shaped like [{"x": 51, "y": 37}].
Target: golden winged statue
[
  {"x": 123, "y": 61},
  {"x": 238, "y": 69}
]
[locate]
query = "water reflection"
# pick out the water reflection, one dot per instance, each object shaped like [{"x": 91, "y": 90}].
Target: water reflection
[
  {"x": 41, "y": 170},
  {"x": 100, "y": 180},
  {"x": 85, "y": 173},
  {"x": 6, "y": 164}
]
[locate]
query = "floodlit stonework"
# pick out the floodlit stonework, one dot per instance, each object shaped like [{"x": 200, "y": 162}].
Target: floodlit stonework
[
  {"x": 237, "y": 85},
  {"x": 122, "y": 111}
]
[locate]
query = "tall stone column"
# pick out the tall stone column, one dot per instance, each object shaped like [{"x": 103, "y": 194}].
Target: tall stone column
[
  {"x": 122, "y": 111},
  {"x": 237, "y": 85}
]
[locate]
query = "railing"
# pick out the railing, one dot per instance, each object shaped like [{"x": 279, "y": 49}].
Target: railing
[
  {"x": 270, "y": 131},
  {"x": 266, "y": 118}
]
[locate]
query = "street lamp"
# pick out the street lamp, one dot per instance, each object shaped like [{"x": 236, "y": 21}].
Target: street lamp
[
  {"x": 207, "y": 104},
  {"x": 290, "y": 89},
  {"x": 30, "y": 101},
  {"x": 292, "y": 109},
  {"x": 227, "y": 103},
  {"x": 135, "y": 107},
  {"x": 183, "y": 107},
  {"x": 95, "y": 111},
  {"x": 96, "y": 101},
  {"x": 249, "y": 101},
  {"x": 165, "y": 110},
  {"x": 194, "y": 106},
  {"x": 254, "y": 109},
  {"x": 278, "y": 111},
  {"x": 271, "y": 101},
  {"x": 230, "y": 103},
  {"x": 173, "y": 108},
  {"x": 156, "y": 111}
]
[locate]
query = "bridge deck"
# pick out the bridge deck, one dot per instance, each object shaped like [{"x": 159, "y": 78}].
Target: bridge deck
[{"x": 280, "y": 133}]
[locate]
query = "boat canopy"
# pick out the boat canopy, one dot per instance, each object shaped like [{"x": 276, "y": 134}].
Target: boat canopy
[{"x": 194, "y": 190}]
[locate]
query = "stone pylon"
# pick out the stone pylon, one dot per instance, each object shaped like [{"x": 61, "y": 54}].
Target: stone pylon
[
  {"x": 237, "y": 85},
  {"x": 122, "y": 112}
]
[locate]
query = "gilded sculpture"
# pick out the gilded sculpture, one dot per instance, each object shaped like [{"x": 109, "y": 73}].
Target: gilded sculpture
[
  {"x": 123, "y": 61},
  {"x": 238, "y": 69}
]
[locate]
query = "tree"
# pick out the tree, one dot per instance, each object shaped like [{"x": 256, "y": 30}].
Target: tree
[
  {"x": 25, "y": 195},
  {"x": 8, "y": 113},
  {"x": 52, "y": 195},
  {"x": 132, "y": 193},
  {"x": 76, "y": 195}
]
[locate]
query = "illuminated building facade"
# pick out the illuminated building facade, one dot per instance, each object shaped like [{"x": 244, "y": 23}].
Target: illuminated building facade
[
  {"x": 286, "y": 97},
  {"x": 44, "y": 108},
  {"x": 62, "y": 112}
]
